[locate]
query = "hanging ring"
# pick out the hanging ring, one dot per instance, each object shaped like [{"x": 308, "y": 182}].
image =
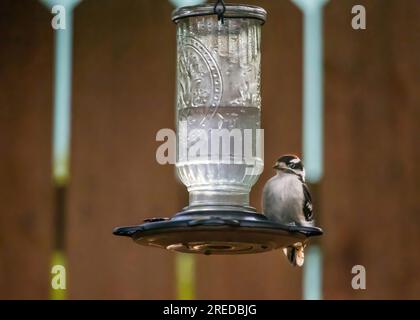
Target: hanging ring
[{"x": 219, "y": 10}]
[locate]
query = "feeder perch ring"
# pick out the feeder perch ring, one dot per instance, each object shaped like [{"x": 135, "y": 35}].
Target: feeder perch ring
[{"x": 217, "y": 233}]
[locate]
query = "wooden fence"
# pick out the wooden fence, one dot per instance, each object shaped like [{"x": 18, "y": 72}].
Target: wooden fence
[{"x": 123, "y": 93}]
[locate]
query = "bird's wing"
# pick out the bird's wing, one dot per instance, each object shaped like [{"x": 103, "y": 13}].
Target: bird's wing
[
  {"x": 307, "y": 203},
  {"x": 268, "y": 200}
]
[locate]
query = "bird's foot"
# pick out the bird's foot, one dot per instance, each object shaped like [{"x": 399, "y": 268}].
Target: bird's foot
[
  {"x": 295, "y": 255},
  {"x": 300, "y": 256}
]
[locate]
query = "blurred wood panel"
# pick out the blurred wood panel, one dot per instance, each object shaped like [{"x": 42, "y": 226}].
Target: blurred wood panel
[
  {"x": 371, "y": 188},
  {"x": 25, "y": 128},
  {"x": 123, "y": 94}
]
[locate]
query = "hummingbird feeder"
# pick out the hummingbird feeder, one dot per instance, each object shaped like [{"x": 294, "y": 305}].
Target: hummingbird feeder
[{"x": 219, "y": 139}]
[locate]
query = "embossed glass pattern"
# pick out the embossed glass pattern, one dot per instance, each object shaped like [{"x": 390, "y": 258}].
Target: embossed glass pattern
[{"x": 218, "y": 88}]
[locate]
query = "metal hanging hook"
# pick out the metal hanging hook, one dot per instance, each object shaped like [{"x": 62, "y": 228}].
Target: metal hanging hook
[{"x": 219, "y": 10}]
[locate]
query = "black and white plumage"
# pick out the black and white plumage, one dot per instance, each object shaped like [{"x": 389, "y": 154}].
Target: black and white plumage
[{"x": 286, "y": 200}]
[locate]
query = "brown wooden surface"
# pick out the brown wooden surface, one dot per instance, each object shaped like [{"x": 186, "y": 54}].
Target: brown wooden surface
[
  {"x": 26, "y": 196},
  {"x": 124, "y": 86},
  {"x": 123, "y": 94},
  {"x": 371, "y": 188}
]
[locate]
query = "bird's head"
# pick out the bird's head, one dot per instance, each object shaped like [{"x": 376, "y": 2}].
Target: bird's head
[{"x": 290, "y": 164}]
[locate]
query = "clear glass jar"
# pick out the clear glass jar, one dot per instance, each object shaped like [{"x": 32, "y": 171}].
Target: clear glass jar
[{"x": 218, "y": 106}]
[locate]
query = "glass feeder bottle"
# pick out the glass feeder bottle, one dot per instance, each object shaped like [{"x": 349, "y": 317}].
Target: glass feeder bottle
[{"x": 218, "y": 104}]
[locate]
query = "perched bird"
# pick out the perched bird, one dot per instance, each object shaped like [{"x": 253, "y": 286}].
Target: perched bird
[{"x": 286, "y": 200}]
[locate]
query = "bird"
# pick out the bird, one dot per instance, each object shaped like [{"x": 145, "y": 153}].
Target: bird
[{"x": 287, "y": 200}]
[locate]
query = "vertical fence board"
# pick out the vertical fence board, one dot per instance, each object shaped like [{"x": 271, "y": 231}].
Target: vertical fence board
[
  {"x": 123, "y": 94},
  {"x": 25, "y": 124},
  {"x": 372, "y": 112}
]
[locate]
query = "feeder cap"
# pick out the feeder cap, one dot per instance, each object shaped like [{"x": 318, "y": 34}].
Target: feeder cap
[{"x": 232, "y": 11}]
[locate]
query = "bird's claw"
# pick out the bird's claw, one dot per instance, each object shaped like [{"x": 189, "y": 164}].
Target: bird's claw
[
  {"x": 300, "y": 257},
  {"x": 295, "y": 254}
]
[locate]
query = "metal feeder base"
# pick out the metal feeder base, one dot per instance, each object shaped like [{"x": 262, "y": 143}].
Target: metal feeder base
[{"x": 213, "y": 232}]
